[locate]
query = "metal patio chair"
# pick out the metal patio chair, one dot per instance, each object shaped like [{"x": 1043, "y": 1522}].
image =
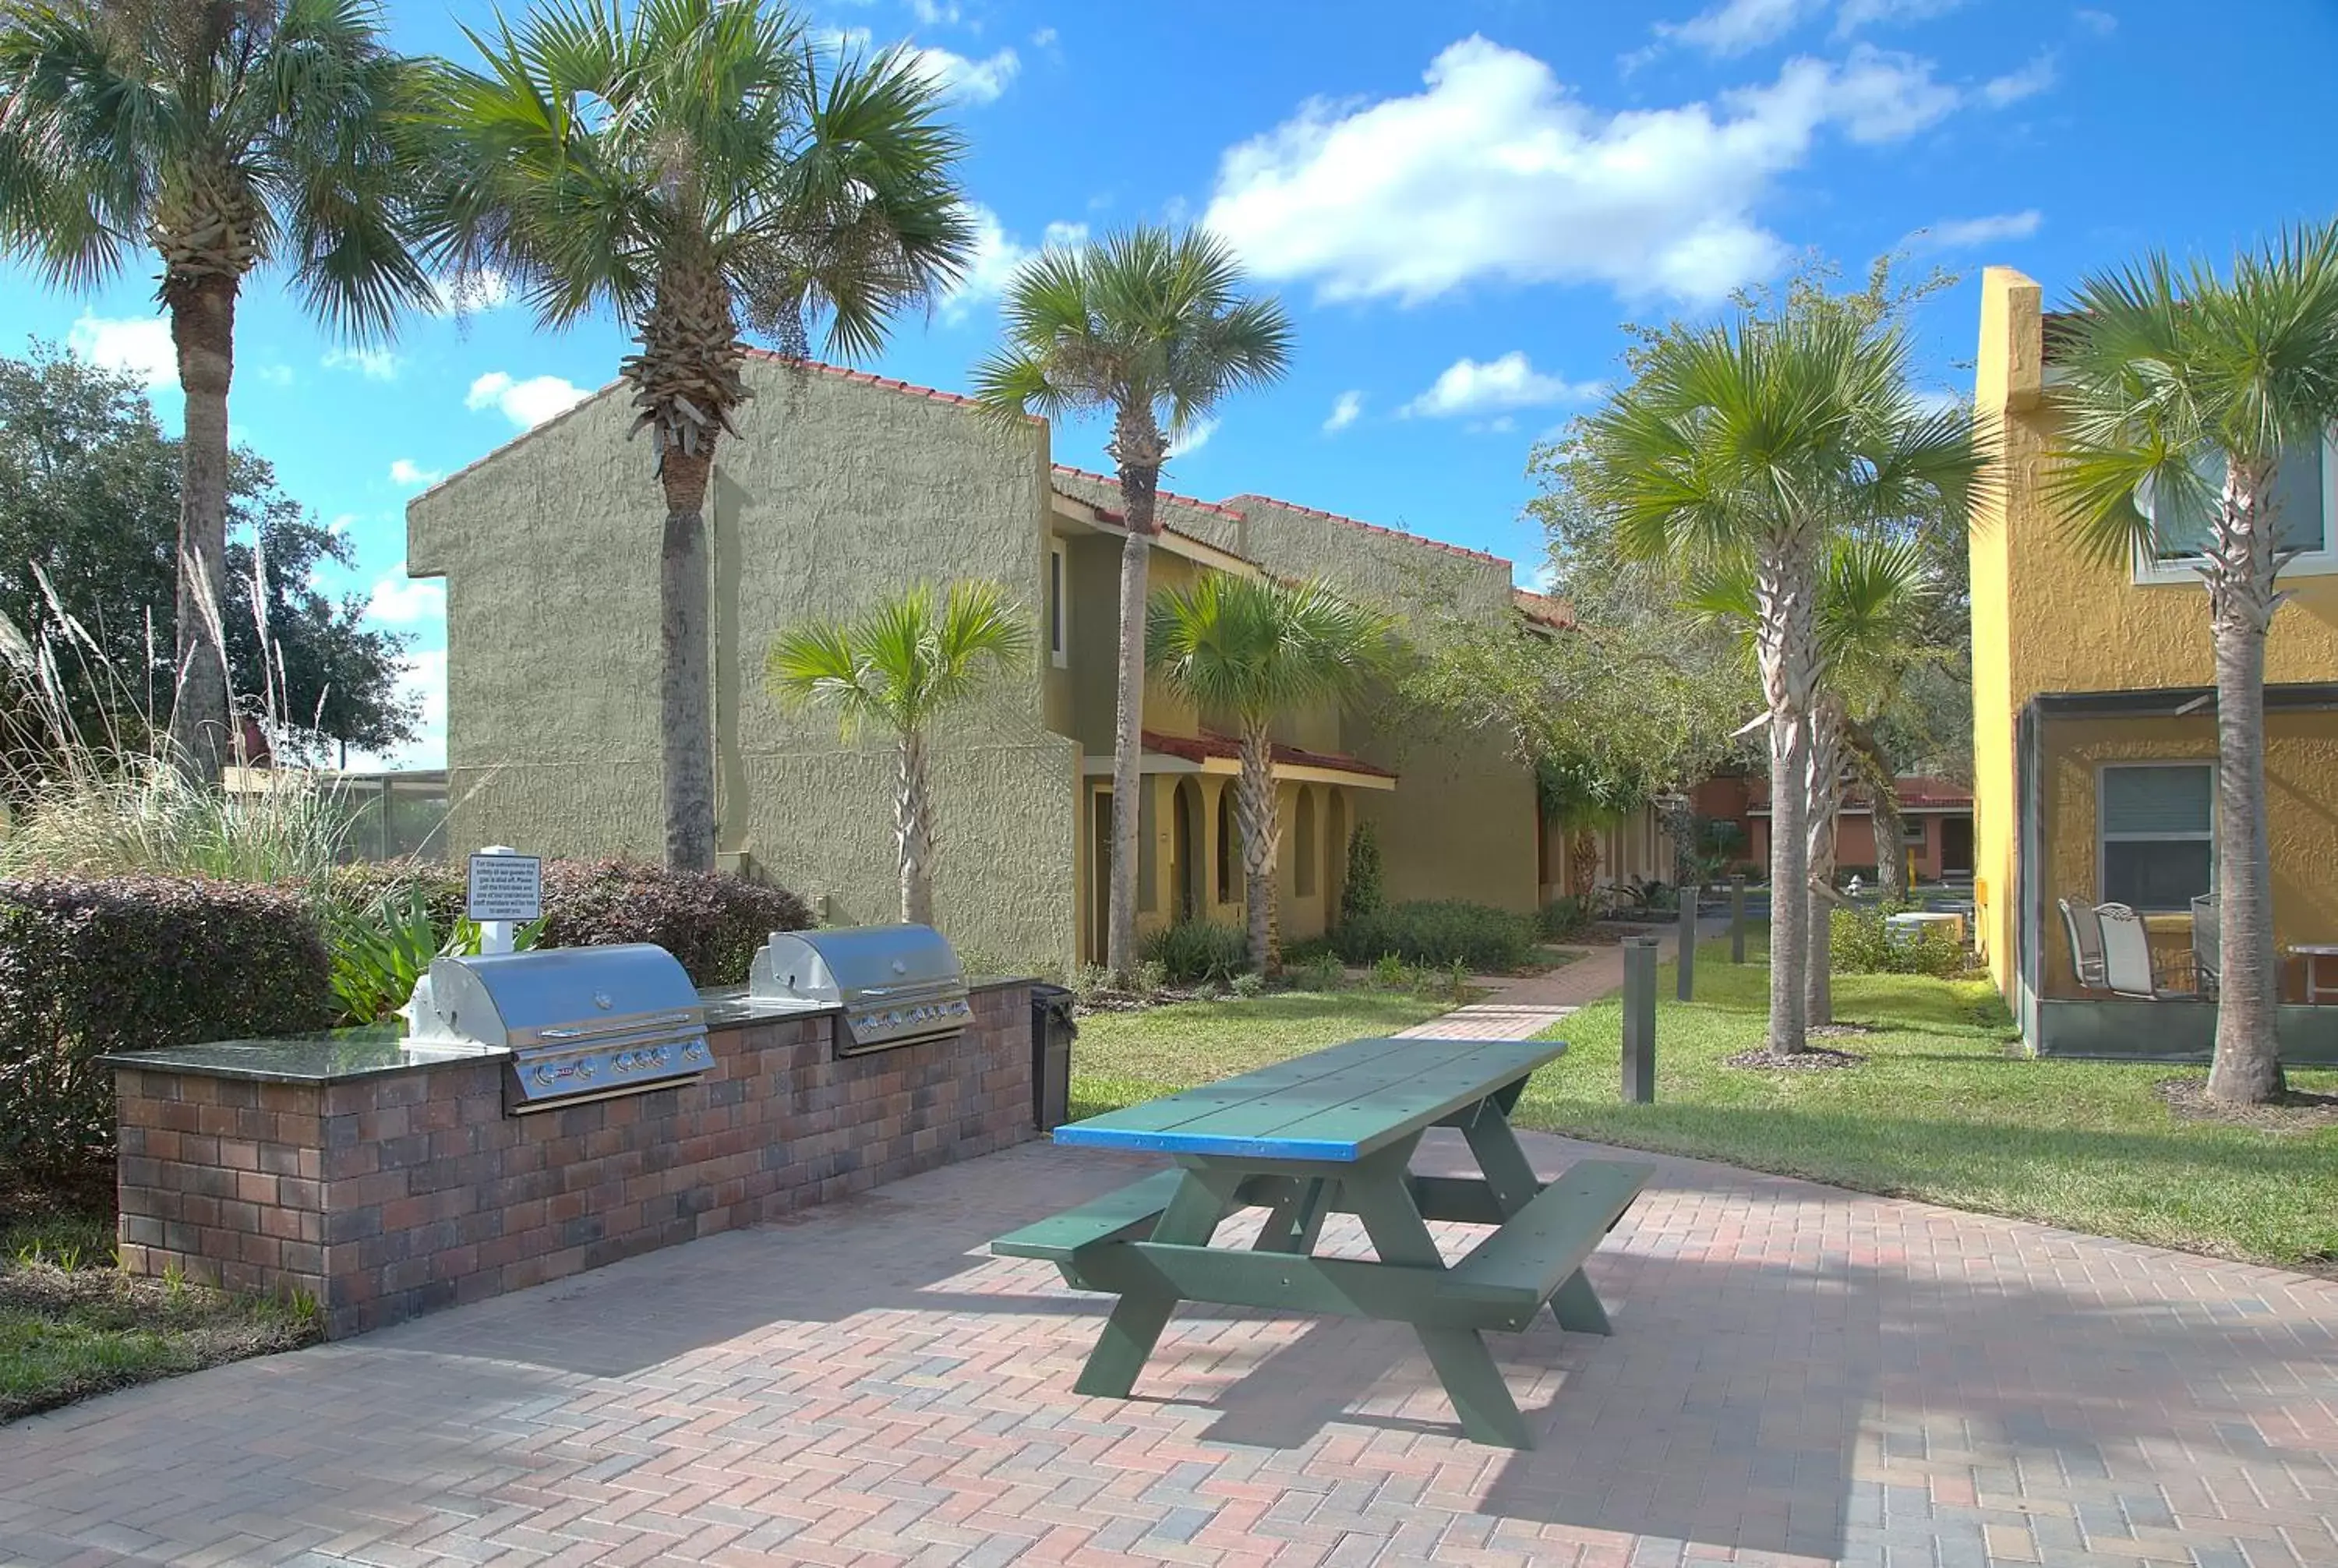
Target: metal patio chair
[
  {"x": 2086, "y": 935},
  {"x": 2128, "y": 967},
  {"x": 2207, "y": 949}
]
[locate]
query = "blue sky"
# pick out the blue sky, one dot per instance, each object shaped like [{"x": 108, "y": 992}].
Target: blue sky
[{"x": 1460, "y": 203}]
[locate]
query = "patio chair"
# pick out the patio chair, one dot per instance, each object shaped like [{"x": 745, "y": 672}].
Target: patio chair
[
  {"x": 2208, "y": 953},
  {"x": 2086, "y": 935},
  {"x": 2129, "y": 966}
]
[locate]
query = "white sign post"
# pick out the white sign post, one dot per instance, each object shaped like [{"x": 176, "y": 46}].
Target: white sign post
[{"x": 506, "y": 892}]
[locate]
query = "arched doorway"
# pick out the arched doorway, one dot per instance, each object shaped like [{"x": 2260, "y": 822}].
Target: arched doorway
[
  {"x": 1185, "y": 851},
  {"x": 1335, "y": 854}
]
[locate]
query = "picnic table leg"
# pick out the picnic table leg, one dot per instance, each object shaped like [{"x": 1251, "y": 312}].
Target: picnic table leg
[
  {"x": 1137, "y": 1318},
  {"x": 1296, "y": 1217},
  {"x": 1511, "y": 1176},
  {"x": 1576, "y": 1306},
  {"x": 1464, "y": 1366}
]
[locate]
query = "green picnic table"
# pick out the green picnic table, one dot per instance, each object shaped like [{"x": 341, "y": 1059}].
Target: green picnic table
[{"x": 1330, "y": 1133}]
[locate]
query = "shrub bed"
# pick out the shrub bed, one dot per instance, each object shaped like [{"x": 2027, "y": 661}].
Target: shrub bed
[
  {"x": 1443, "y": 933},
  {"x": 91, "y": 965},
  {"x": 1860, "y": 942},
  {"x": 1197, "y": 950}
]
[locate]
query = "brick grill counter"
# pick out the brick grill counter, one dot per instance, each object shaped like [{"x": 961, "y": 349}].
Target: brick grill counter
[{"x": 385, "y": 1187}]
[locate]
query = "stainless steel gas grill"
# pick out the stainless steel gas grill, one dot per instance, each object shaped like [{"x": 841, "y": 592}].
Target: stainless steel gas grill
[
  {"x": 896, "y": 985},
  {"x": 579, "y": 1022}
]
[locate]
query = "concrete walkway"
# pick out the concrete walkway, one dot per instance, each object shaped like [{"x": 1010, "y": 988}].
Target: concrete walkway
[
  {"x": 1799, "y": 1375},
  {"x": 1520, "y": 1009}
]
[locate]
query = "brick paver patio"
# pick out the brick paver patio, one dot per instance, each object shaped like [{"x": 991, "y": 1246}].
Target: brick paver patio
[{"x": 1798, "y": 1375}]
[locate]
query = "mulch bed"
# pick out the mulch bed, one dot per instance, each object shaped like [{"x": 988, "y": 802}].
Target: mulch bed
[
  {"x": 2296, "y": 1112},
  {"x": 1608, "y": 933},
  {"x": 1816, "y": 1059}
]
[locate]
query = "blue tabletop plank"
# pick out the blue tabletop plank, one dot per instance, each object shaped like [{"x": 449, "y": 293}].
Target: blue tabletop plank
[{"x": 1338, "y": 1106}]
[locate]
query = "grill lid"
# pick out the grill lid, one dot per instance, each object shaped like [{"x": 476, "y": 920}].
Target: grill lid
[{"x": 553, "y": 996}]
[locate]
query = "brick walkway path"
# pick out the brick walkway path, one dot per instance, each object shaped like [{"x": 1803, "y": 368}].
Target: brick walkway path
[
  {"x": 1521, "y": 1009},
  {"x": 1798, "y": 1376}
]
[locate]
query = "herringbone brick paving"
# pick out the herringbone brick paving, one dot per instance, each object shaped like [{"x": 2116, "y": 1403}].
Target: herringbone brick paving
[{"x": 1798, "y": 1376}]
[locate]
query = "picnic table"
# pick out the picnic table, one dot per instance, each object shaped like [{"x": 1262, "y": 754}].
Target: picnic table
[{"x": 1335, "y": 1131}]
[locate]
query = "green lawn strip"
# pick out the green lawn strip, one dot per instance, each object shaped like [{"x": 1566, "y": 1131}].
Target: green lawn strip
[
  {"x": 1124, "y": 1058},
  {"x": 1941, "y": 1112}
]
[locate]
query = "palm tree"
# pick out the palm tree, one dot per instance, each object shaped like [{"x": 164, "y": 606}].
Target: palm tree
[
  {"x": 1872, "y": 595},
  {"x": 903, "y": 667},
  {"x": 1153, "y": 326},
  {"x": 221, "y": 134},
  {"x": 1756, "y": 443},
  {"x": 1252, "y": 650},
  {"x": 2182, "y": 394},
  {"x": 693, "y": 165}
]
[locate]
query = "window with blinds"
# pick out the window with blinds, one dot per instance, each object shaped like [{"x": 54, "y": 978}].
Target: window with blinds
[{"x": 2156, "y": 833}]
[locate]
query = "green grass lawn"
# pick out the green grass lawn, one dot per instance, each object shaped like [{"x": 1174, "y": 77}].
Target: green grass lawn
[
  {"x": 72, "y": 1325},
  {"x": 1941, "y": 1112},
  {"x": 1122, "y": 1058}
]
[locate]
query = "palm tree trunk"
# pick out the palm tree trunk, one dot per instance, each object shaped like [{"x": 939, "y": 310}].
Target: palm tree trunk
[
  {"x": 202, "y": 329},
  {"x": 1825, "y": 802},
  {"x": 684, "y": 709},
  {"x": 1138, "y": 450},
  {"x": 1786, "y": 645},
  {"x": 1890, "y": 827},
  {"x": 913, "y": 831},
  {"x": 1260, "y": 828},
  {"x": 2247, "y": 1066}
]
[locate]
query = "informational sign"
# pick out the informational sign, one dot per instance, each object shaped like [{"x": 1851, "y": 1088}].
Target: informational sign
[{"x": 506, "y": 887}]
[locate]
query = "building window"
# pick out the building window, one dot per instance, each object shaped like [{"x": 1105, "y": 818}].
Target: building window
[
  {"x": 1914, "y": 831},
  {"x": 1059, "y": 644},
  {"x": 2305, "y": 500},
  {"x": 1303, "y": 857},
  {"x": 2155, "y": 831}
]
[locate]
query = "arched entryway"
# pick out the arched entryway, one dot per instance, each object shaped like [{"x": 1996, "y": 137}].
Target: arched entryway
[
  {"x": 1335, "y": 853},
  {"x": 1188, "y": 892}
]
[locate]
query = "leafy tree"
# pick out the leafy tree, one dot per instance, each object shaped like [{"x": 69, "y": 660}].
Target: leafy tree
[
  {"x": 690, "y": 166},
  {"x": 222, "y": 134},
  {"x": 1756, "y": 442},
  {"x": 89, "y": 494},
  {"x": 903, "y": 667},
  {"x": 2191, "y": 395},
  {"x": 1153, "y": 326},
  {"x": 1255, "y": 649}
]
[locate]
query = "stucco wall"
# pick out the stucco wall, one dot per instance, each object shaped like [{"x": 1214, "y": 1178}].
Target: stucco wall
[
  {"x": 837, "y": 491},
  {"x": 2048, "y": 619}
]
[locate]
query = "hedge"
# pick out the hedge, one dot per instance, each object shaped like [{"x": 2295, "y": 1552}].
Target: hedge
[
  {"x": 91, "y": 965},
  {"x": 1442, "y": 932}
]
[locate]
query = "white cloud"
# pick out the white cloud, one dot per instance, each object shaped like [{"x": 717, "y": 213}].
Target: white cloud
[
  {"x": 373, "y": 364},
  {"x": 1498, "y": 172},
  {"x": 1858, "y": 14},
  {"x": 1045, "y": 38},
  {"x": 526, "y": 403},
  {"x": 2014, "y": 86},
  {"x": 402, "y": 601},
  {"x": 1472, "y": 387},
  {"x": 273, "y": 375},
  {"x": 468, "y": 293},
  {"x": 136, "y": 346},
  {"x": 1739, "y": 26},
  {"x": 1971, "y": 233},
  {"x": 342, "y": 523},
  {"x": 970, "y": 81},
  {"x": 406, "y": 473},
  {"x": 935, "y": 12},
  {"x": 1344, "y": 412},
  {"x": 997, "y": 255},
  {"x": 1196, "y": 436},
  {"x": 2101, "y": 24}
]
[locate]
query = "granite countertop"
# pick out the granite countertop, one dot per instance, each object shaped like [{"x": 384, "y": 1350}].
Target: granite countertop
[{"x": 336, "y": 1055}]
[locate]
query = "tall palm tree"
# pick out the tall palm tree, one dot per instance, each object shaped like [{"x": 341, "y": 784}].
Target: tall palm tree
[
  {"x": 2182, "y": 396},
  {"x": 1153, "y": 326},
  {"x": 1871, "y": 596},
  {"x": 689, "y": 166},
  {"x": 220, "y": 134},
  {"x": 1252, "y": 650},
  {"x": 1755, "y": 443},
  {"x": 903, "y": 667}
]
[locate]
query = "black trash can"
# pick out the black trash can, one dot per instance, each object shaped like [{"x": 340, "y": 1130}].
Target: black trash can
[{"x": 1051, "y": 1055}]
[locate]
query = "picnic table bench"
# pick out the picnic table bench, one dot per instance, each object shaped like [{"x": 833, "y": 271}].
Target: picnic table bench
[{"x": 1335, "y": 1132}]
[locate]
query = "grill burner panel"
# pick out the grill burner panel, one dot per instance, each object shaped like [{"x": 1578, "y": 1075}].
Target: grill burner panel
[
  {"x": 896, "y": 984},
  {"x": 577, "y": 1023}
]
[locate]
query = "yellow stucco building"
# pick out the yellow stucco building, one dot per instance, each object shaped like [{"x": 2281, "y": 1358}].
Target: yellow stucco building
[{"x": 2095, "y": 725}]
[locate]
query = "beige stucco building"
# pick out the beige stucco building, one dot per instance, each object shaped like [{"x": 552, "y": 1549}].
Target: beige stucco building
[{"x": 844, "y": 488}]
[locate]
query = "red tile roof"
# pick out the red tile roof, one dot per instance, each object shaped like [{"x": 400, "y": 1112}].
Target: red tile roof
[
  {"x": 1557, "y": 613},
  {"x": 1374, "y": 528},
  {"x": 845, "y": 373},
  {"x": 1164, "y": 495},
  {"x": 1197, "y": 747}
]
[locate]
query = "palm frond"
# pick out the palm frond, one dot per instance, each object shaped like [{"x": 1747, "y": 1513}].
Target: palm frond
[{"x": 1253, "y": 649}]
